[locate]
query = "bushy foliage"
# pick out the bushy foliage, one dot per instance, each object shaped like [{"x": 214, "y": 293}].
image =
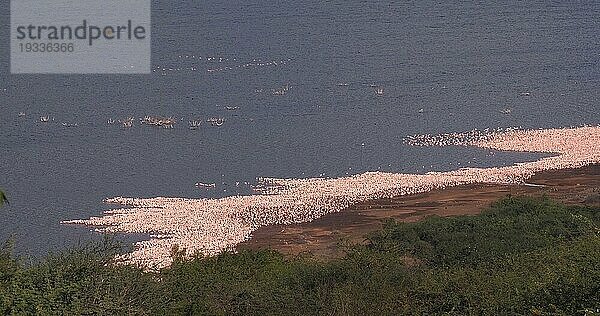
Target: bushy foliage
[
  {"x": 523, "y": 256},
  {"x": 512, "y": 225}
]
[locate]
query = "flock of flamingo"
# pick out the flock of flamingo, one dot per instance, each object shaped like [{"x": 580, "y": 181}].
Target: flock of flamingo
[
  {"x": 211, "y": 226},
  {"x": 216, "y": 64}
]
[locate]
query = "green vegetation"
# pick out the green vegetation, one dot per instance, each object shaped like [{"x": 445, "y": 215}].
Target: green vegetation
[
  {"x": 521, "y": 257},
  {"x": 3, "y": 198}
]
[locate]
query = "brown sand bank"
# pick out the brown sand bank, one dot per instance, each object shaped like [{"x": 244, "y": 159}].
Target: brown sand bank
[{"x": 324, "y": 237}]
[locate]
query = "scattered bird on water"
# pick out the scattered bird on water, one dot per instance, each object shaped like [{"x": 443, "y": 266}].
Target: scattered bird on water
[
  {"x": 214, "y": 121},
  {"x": 194, "y": 124},
  {"x": 205, "y": 185}
]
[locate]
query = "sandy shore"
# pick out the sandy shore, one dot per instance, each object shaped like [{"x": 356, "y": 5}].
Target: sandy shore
[{"x": 325, "y": 238}]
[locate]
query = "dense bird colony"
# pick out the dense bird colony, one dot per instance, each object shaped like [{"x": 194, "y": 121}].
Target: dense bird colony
[{"x": 210, "y": 226}]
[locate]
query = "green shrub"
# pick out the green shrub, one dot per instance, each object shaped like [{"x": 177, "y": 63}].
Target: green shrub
[
  {"x": 513, "y": 225},
  {"x": 521, "y": 257}
]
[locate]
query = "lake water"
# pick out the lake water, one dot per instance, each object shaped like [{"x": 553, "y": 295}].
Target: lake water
[{"x": 297, "y": 86}]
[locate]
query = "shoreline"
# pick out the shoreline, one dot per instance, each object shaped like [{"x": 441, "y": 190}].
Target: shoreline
[{"x": 325, "y": 237}]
